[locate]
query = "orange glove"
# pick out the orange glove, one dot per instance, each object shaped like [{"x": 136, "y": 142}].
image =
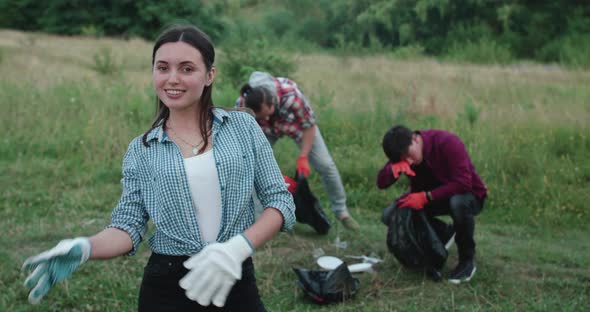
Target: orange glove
[
  {"x": 292, "y": 184},
  {"x": 303, "y": 166},
  {"x": 415, "y": 201},
  {"x": 403, "y": 167}
]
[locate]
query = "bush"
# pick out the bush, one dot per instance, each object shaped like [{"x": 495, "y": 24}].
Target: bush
[
  {"x": 240, "y": 61},
  {"x": 279, "y": 22},
  {"x": 470, "y": 113},
  {"x": 316, "y": 31},
  {"x": 144, "y": 18},
  {"x": 571, "y": 50},
  {"x": 104, "y": 62},
  {"x": 408, "y": 52},
  {"x": 469, "y": 32},
  {"x": 484, "y": 51},
  {"x": 91, "y": 31}
]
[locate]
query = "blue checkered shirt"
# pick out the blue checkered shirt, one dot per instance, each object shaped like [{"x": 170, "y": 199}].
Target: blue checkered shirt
[{"x": 155, "y": 186}]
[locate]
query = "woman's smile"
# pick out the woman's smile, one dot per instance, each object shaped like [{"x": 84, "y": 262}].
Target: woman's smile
[{"x": 174, "y": 93}]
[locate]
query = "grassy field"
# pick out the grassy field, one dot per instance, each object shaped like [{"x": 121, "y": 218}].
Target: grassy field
[{"x": 71, "y": 105}]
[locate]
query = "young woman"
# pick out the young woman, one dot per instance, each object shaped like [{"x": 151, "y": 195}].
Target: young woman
[{"x": 192, "y": 173}]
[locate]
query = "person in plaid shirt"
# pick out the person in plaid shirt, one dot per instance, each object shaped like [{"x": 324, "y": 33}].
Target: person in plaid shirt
[{"x": 282, "y": 110}]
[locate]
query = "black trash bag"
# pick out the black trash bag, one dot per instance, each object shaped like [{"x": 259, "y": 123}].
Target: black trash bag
[
  {"x": 413, "y": 241},
  {"x": 307, "y": 207},
  {"x": 328, "y": 286}
]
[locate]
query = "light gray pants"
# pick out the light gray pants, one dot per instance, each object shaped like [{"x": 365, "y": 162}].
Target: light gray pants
[{"x": 321, "y": 161}]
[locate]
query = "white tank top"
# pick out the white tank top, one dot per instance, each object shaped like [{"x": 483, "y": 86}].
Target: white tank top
[{"x": 203, "y": 182}]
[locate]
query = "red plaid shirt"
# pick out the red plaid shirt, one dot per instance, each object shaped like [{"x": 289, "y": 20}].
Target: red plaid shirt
[{"x": 292, "y": 115}]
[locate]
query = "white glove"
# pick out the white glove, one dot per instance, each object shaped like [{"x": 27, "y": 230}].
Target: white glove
[
  {"x": 55, "y": 265},
  {"x": 215, "y": 270}
]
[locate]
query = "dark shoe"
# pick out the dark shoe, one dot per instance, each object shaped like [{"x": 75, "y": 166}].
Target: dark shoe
[{"x": 464, "y": 272}]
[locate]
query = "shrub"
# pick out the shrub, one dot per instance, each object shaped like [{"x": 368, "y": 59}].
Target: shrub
[
  {"x": 571, "y": 50},
  {"x": 413, "y": 51},
  {"x": 484, "y": 51},
  {"x": 91, "y": 31},
  {"x": 143, "y": 18},
  {"x": 240, "y": 61},
  {"x": 470, "y": 112},
  {"x": 279, "y": 21},
  {"x": 104, "y": 62}
]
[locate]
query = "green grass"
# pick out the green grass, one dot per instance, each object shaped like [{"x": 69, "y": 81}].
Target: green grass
[{"x": 64, "y": 140}]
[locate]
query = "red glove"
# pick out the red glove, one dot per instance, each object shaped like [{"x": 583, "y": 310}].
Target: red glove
[
  {"x": 292, "y": 184},
  {"x": 403, "y": 167},
  {"x": 415, "y": 201},
  {"x": 303, "y": 166}
]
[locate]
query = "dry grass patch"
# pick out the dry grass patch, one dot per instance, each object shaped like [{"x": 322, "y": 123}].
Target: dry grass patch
[
  {"x": 48, "y": 60},
  {"x": 428, "y": 87}
]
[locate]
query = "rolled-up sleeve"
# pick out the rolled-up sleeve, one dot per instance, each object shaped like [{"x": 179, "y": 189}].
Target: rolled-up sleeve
[
  {"x": 268, "y": 180},
  {"x": 130, "y": 214}
]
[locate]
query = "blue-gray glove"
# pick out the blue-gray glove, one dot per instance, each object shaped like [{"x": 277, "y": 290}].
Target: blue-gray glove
[{"x": 55, "y": 265}]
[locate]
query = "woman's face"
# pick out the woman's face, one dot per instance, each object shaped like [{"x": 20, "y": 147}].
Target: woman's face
[{"x": 180, "y": 75}]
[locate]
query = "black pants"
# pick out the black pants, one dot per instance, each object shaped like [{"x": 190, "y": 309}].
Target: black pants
[
  {"x": 160, "y": 290},
  {"x": 462, "y": 209}
]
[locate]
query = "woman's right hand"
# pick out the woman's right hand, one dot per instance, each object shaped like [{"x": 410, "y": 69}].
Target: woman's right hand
[{"x": 55, "y": 265}]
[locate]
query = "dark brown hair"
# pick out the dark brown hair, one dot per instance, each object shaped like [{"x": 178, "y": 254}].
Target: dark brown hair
[
  {"x": 396, "y": 142},
  {"x": 255, "y": 97},
  {"x": 199, "y": 40}
]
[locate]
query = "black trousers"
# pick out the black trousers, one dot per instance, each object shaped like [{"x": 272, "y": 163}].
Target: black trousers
[
  {"x": 160, "y": 290},
  {"x": 462, "y": 209}
]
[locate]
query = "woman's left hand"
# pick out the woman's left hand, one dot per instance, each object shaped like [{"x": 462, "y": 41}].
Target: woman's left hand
[{"x": 215, "y": 270}]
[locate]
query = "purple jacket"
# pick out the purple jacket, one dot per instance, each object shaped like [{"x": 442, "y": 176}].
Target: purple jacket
[{"x": 446, "y": 170}]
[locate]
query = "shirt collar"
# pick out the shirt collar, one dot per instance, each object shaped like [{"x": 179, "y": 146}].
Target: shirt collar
[
  {"x": 426, "y": 144},
  {"x": 219, "y": 115},
  {"x": 158, "y": 133}
]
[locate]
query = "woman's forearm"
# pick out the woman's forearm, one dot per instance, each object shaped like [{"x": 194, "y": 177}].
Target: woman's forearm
[
  {"x": 110, "y": 243},
  {"x": 265, "y": 228}
]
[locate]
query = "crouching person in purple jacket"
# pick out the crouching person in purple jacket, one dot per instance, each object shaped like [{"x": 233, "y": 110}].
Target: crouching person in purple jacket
[{"x": 443, "y": 181}]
